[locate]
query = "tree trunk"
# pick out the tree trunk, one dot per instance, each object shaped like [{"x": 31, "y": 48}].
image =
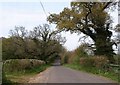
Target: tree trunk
[{"x": 104, "y": 46}]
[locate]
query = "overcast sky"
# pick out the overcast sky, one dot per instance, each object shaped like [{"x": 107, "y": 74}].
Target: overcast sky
[{"x": 31, "y": 14}]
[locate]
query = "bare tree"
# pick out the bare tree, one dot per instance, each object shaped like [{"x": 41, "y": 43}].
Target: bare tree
[{"x": 49, "y": 41}]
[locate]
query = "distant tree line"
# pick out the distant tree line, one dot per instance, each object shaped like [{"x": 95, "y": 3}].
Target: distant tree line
[{"x": 40, "y": 43}]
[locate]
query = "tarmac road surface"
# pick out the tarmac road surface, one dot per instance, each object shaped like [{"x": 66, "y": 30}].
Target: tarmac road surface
[{"x": 60, "y": 74}]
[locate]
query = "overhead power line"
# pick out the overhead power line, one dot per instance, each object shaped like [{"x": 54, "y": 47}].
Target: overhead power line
[{"x": 43, "y": 8}]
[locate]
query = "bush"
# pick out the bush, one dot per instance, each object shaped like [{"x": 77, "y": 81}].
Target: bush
[
  {"x": 100, "y": 61},
  {"x": 96, "y": 61},
  {"x": 65, "y": 59},
  {"x": 13, "y": 65},
  {"x": 117, "y": 59},
  {"x": 80, "y": 51},
  {"x": 73, "y": 57},
  {"x": 87, "y": 61}
]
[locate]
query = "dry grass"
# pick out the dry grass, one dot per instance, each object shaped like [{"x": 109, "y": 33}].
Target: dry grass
[
  {"x": 96, "y": 61},
  {"x": 20, "y": 79}
]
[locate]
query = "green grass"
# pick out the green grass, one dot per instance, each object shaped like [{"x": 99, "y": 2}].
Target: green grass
[
  {"x": 94, "y": 70},
  {"x": 36, "y": 70},
  {"x": 23, "y": 76}
]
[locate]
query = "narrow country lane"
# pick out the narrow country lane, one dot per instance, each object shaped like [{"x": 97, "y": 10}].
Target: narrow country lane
[{"x": 60, "y": 74}]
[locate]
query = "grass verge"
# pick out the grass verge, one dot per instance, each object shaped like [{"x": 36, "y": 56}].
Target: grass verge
[
  {"x": 94, "y": 70},
  {"x": 25, "y": 75}
]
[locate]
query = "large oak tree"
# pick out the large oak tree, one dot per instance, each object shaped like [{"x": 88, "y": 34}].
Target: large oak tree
[{"x": 90, "y": 18}]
